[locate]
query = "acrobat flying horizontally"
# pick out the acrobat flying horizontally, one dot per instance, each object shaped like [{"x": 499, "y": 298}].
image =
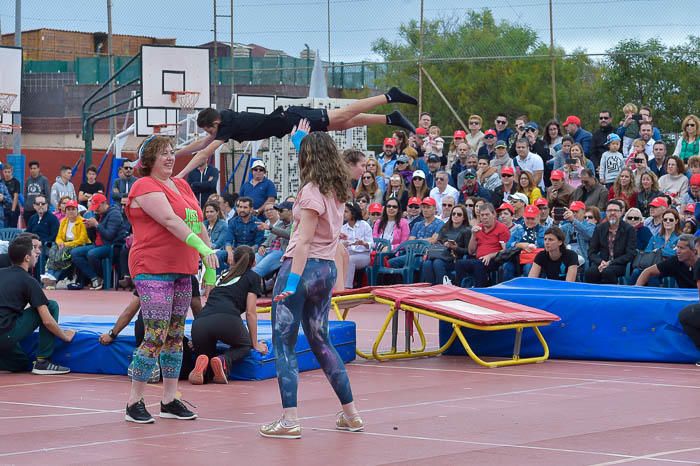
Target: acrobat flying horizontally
[{"x": 248, "y": 126}]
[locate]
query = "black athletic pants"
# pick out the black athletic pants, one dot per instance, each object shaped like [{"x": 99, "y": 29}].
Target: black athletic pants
[
  {"x": 225, "y": 327},
  {"x": 690, "y": 321}
]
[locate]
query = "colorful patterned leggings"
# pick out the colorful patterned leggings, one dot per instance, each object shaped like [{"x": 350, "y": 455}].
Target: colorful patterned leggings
[
  {"x": 309, "y": 306},
  {"x": 165, "y": 299}
]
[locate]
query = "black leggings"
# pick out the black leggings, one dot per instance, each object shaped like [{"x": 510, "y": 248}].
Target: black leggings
[
  {"x": 225, "y": 327},
  {"x": 690, "y": 321}
]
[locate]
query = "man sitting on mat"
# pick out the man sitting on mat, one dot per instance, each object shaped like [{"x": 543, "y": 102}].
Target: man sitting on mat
[
  {"x": 17, "y": 321},
  {"x": 249, "y": 126}
]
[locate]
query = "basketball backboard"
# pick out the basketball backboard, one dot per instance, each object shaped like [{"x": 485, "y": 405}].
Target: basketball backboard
[
  {"x": 11, "y": 74},
  {"x": 147, "y": 119},
  {"x": 165, "y": 69}
]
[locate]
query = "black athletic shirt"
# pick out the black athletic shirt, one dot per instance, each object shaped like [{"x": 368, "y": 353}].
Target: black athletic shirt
[
  {"x": 686, "y": 277},
  {"x": 5, "y": 261},
  {"x": 88, "y": 188},
  {"x": 556, "y": 270},
  {"x": 231, "y": 298},
  {"x": 17, "y": 289}
]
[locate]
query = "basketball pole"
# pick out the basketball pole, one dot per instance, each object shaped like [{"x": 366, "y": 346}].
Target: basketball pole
[{"x": 17, "y": 117}]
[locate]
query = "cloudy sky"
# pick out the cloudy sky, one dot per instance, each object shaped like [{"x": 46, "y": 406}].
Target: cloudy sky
[{"x": 593, "y": 25}]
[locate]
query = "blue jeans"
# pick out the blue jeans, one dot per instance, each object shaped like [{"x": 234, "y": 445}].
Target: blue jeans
[
  {"x": 87, "y": 259},
  {"x": 434, "y": 270},
  {"x": 268, "y": 263}
]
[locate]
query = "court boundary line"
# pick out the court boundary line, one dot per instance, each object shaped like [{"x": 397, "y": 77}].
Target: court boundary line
[
  {"x": 625, "y": 457},
  {"x": 654, "y": 457}
]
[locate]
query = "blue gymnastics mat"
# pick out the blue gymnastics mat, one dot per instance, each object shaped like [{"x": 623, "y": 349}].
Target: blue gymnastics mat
[
  {"x": 86, "y": 355},
  {"x": 600, "y": 322}
]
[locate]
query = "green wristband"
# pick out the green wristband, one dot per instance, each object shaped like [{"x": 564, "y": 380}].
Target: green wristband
[
  {"x": 209, "y": 276},
  {"x": 195, "y": 242}
]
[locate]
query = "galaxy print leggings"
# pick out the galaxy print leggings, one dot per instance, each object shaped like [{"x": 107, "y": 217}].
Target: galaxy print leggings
[
  {"x": 165, "y": 299},
  {"x": 309, "y": 306}
]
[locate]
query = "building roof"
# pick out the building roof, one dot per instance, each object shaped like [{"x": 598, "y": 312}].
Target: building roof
[{"x": 87, "y": 32}]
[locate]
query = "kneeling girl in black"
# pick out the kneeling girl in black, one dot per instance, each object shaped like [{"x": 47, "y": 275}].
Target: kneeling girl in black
[{"x": 236, "y": 292}]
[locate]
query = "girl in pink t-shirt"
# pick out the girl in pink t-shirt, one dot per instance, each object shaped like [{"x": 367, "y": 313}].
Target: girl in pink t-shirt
[{"x": 302, "y": 292}]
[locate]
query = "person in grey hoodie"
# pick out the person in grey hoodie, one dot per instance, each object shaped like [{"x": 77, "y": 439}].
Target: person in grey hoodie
[
  {"x": 63, "y": 187},
  {"x": 36, "y": 185}
]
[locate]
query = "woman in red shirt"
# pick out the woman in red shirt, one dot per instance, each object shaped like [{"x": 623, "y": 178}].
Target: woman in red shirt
[{"x": 168, "y": 242}]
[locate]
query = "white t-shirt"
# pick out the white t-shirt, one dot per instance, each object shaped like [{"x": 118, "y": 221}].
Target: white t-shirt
[
  {"x": 388, "y": 233},
  {"x": 439, "y": 196},
  {"x": 69, "y": 232},
  {"x": 531, "y": 164}
]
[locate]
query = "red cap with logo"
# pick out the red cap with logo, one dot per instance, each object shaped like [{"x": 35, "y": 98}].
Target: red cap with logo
[
  {"x": 507, "y": 171},
  {"x": 576, "y": 206},
  {"x": 658, "y": 202},
  {"x": 557, "y": 175},
  {"x": 531, "y": 211},
  {"x": 428, "y": 201},
  {"x": 389, "y": 142},
  {"x": 414, "y": 201},
  {"x": 572, "y": 119},
  {"x": 460, "y": 134},
  {"x": 689, "y": 208},
  {"x": 695, "y": 180},
  {"x": 96, "y": 200},
  {"x": 420, "y": 131},
  {"x": 541, "y": 201},
  {"x": 374, "y": 208},
  {"x": 506, "y": 206},
  {"x": 490, "y": 132}
]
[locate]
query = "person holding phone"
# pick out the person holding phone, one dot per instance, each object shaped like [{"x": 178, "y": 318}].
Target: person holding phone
[
  {"x": 452, "y": 243},
  {"x": 560, "y": 193}
]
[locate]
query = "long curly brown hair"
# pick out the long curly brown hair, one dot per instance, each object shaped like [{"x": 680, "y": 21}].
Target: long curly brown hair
[{"x": 320, "y": 163}]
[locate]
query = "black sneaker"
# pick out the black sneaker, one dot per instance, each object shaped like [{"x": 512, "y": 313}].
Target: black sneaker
[
  {"x": 137, "y": 413},
  {"x": 46, "y": 367},
  {"x": 176, "y": 410},
  {"x": 96, "y": 284},
  {"x": 75, "y": 286}
]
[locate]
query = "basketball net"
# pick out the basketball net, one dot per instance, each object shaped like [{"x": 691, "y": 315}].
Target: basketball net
[
  {"x": 186, "y": 100},
  {"x": 6, "y": 101}
]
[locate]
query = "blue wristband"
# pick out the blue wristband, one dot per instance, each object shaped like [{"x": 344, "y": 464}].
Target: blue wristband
[
  {"x": 292, "y": 283},
  {"x": 296, "y": 140}
]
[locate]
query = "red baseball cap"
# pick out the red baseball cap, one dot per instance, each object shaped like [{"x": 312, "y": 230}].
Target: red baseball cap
[
  {"x": 389, "y": 142},
  {"x": 414, "y": 201},
  {"x": 72, "y": 203},
  {"x": 531, "y": 211},
  {"x": 688, "y": 208},
  {"x": 490, "y": 132},
  {"x": 557, "y": 175},
  {"x": 96, "y": 200},
  {"x": 375, "y": 207},
  {"x": 460, "y": 134},
  {"x": 576, "y": 206},
  {"x": 658, "y": 202},
  {"x": 428, "y": 201},
  {"x": 506, "y": 206},
  {"x": 420, "y": 131},
  {"x": 507, "y": 171},
  {"x": 572, "y": 119},
  {"x": 541, "y": 201},
  {"x": 695, "y": 180}
]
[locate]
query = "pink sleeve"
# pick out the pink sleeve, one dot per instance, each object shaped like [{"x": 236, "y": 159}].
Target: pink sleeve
[{"x": 311, "y": 198}]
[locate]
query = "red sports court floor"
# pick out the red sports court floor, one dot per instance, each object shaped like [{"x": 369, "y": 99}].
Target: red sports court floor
[{"x": 444, "y": 410}]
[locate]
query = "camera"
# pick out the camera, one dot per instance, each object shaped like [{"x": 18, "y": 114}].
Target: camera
[
  {"x": 558, "y": 213},
  {"x": 637, "y": 117},
  {"x": 571, "y": 161}
]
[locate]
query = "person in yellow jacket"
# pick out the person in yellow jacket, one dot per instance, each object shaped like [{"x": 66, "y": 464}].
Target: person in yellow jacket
[{"x": 71, "y": 234}]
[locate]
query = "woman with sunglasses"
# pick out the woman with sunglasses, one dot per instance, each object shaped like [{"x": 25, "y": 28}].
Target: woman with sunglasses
[
  {"x": 688, "y": 145},
  {"x": 552, "y": 137},
  {"x": 633, "y": 216},
  {"x": 392, "y": 226},
  {"x": 375, "y": 168},
  {"x": 648, "y": 191},
  {"x": 475, "y": 137},
  {"x": 418, "y": 188},
  {"x": 397, "y": 190},
  {"x": 368, "y": 185},
  {"x": 452, "y": 243},
  {"x": 363, "y": 201},
  {"x": 665, "y": 240},
  {"x": 526, "y": 185}
]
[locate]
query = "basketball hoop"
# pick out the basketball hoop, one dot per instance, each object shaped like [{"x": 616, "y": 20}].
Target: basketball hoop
[
  {"x": 186, "y": 99},
  {"x": 6, "y": 101},
  {"x": 158, "y": 128}
]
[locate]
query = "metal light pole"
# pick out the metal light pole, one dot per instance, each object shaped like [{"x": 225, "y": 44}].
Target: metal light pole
[
  {"x": 551, "y": 54},
  {"x": 17, "y": 117},
  {"x": 420, "y": 64},
  {"x": 329, "y": 31},
  {"x": 110, "y": 58}
]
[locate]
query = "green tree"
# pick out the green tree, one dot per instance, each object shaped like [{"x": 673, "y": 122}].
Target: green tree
[
  {"x": 485, "y": 67},
  {"x": 648, "y": 73}
]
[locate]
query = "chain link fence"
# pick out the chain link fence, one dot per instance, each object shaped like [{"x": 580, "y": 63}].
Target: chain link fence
[{"x": 481, "y": 57}]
